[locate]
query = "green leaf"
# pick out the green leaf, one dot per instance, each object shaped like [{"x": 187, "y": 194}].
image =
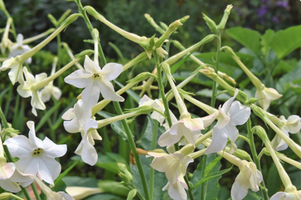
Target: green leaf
[
  {"x": 273, "y": 180},
  {"x": 159, "y": 179},
  {"x": 212, "y": 164},
  {"x": 47, "y": 115},
  {"x": 211, "y": 176},
  {"x": 285, "y": 82},
  {"x": 113, "y": 187},
  {"x": 104, "y": 197},
  {"x": 211, "y": 185},
  {"x": 58, "y": 179},
  {"x": 247, "y": 37},
  {"x": 286, "y": 41},
  {"x": 109, "y": 161},
  {"x": 266, "y": 40}
]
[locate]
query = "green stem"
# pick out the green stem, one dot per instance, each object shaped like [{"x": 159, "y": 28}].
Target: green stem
[
  {"x": 35, "y": 191},
  {"x": 161, "y": 89},
  {"x": 134, "y": 150},
  {"x": 152, "y": 171},
  {"x": 255, "y": 158},
  {"x": 90, "y": 27}
]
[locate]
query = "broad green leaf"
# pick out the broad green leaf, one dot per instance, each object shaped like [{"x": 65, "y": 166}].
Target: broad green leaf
[
  {"x": 266, "y": 40},
  {"x": 283, "y": 67},
  {"x": 211, "y": 176},
  {"x": 116, "y": 126},
  {"x": 247, "y": 37},
  {"x": 159, "y": 179},
  {"x": 80, "y": 181},
  {"x": 211, "y": 186},
  {"x": 284, "y": 83},
  {"x": 212, "y": 165},
  {"x": 286, "y": 41}
]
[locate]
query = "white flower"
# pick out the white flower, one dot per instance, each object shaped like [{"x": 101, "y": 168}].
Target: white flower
[
  {"x": 15, "y": 74},
  {"x": 36, "y": 156},
  {"x": 230, "y": 115},
  {"x": 19, "y": 48},
  {"x": 294, "y": 195},
  {"x": 187, "y": 127},
  {"x": 266, "y": 95},
  {"x": 12, "y": 184},
  {"x": 157, "y": 104},
  {"x": 27, "y": 89},
  {"x": 96, "y": 80},
  {"x": 248, "y": 178},
  {"x": 175, "y": 166},
  {"x": 291, "y": 125},
  {"x": 81, "y": 121}
]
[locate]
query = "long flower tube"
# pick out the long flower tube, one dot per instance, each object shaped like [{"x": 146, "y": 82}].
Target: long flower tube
[
  {"x": 290, "y": 192},
  {"x": 260, "y": 113}
]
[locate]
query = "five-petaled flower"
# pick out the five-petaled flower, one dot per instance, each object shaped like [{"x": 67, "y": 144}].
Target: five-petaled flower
[
  {"x": 230, "y": 115},
  {"x": 36, "y": 157},
  {"x": 95, "y": 81},
  {"x": 19, "y": 48}
]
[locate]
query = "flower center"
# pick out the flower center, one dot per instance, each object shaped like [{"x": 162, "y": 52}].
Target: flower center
[
  {"x": 37, "y": 152},
  {"x": 96, "y": 76}
]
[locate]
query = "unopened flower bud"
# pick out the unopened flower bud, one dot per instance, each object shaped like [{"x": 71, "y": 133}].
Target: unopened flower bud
[
  {"x": 210, "y": 23},
  {"x": 124, "y": 173}
]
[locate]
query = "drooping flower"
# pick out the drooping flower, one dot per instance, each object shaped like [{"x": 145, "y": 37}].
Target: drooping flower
[
  {"x": 95, "y": 80},
  {"x": 187, "y": 127},
  {"x": 15, "y": 74},
  {"x": 249, "y": 177},
  {"x": 27, "y": 89},
  {"x": 266, "y": 95},
  {"x": 19, "y": 48},
  {"x": 81, "y": 121},
  {"x": 51, "y": 195},
  {"x": 230, "y": 115},
  {"x": 36, "y": 156},
  {"x": 291, "y": 125},
  {"x": 174, "y": 165},
  {"x": 295, "y": 195},
  {"x": 157, "y": 104}
]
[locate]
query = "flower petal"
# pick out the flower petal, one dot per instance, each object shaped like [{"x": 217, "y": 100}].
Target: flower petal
[
  {"x": 219, "y": 141},
  {"x": 79, "y": 78},
  {"x": 107, "y": 90},
  {"x": 238, "y": 192},
  {"x": 239, "y": 113},
  {"x": 112, "y": 70}
]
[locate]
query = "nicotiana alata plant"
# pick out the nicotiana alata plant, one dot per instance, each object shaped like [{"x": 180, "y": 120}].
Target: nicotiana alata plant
[{"x": 180, "y": 152}]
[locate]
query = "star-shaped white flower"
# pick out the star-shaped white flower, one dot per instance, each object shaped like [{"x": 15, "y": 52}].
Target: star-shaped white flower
[
  {"x": 36, "y": 156},
  {"x": 27, "y": 89},
  {"x": 174, "y": 165},
  {"x": 187, "y": 127},
  {"x": 81, "y": 121},
  {"x": 291, "y": 125},
  {"x": 249, "y": 177},
  {"x": 96, "y": 80},
  {"x": 230, "y": 115},
  {"x": 266, "y": 95},
  {"x": 19, "y": 48}
]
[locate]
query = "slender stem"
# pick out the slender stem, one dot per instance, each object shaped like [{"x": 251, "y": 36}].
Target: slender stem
[
  {"x": 255, "y": 158},
  {"x": 152, "y": 171},
  {"x": 134, "y": 150},
  {"x": 90, "y": 27},
  {"x": 35, "y": 191},
  {"x": 161, "y": 89}
]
